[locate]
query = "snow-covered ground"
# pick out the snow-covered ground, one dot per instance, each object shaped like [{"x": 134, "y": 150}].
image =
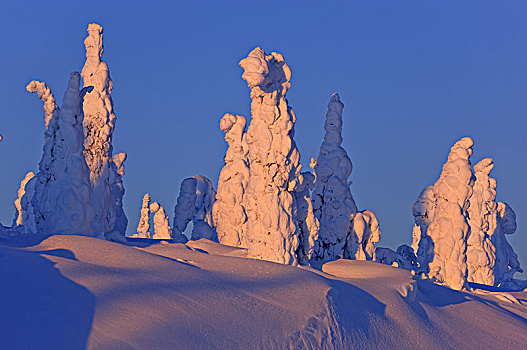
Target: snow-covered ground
[{"x": 75, "y": 292}]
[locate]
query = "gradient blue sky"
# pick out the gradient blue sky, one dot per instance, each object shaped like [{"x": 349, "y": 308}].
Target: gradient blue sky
[{"x": 414, "y": 76}]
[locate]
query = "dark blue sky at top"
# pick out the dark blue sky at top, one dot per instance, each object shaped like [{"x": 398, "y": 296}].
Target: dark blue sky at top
[{"x": 414, "y": 76}]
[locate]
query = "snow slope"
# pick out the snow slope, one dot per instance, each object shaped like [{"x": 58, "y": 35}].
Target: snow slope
[{"x": 75, "y": 292}]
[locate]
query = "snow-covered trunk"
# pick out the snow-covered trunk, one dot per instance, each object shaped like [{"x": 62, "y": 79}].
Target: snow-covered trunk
[
  {"x": 333, "y": 202},
  {"x": 99, "y": 124},
  {"x": 307, "y": 222},
  {"x": 228, "y": 209},
  {"x": 483, "y": 222},
  {"x": 448, "y": 229},
  {"x": 272, "y": 230},
  {"x": 62, "y": 199}
]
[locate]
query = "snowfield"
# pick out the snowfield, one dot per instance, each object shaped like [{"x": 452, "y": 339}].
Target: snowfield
[{"x": 76, "y": 292}]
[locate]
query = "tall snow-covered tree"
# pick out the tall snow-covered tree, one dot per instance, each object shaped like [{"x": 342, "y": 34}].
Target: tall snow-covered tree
[
  {"x": 272, "y": 229},
  {"x": 440, "y": 211},
  {"x": 62, "y": 197},
  {"x": 344, "y": 232},
  {"x": 98, "y": 126}
]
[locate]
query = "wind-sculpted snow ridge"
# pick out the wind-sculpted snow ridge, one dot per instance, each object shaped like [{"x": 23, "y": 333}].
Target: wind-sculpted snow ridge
[
  {"x": 228, "y": 210},
  {"x": 195, "y": 201},
  {"x": 93, "y": 294},
  {"x": 272, "y": 229},
  {"x": 99, "y": 125},
  {"x": 344, "y": 232},
  {"x": 62, "y": 191},
  {"x": 440, "y": 212}
]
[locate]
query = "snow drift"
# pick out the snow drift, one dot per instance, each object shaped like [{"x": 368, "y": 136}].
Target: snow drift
[{"x": 97, "y": 294}]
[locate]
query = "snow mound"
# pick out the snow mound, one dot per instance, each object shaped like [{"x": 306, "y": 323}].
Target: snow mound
[{"x": 97, "y": 294}]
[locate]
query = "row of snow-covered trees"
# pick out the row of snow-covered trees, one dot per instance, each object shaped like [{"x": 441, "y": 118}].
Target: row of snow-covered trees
[{"x": 264, "y": 202}]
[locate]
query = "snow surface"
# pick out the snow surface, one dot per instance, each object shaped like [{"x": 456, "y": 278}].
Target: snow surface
[{"x": 76, "y": 292}]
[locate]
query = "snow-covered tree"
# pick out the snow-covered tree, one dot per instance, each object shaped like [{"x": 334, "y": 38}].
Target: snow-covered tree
[
  {"x": 62, "y": 194},
  {"x": 333, "y": 202},
  {"x": 143, "y": 229},
  {"x": 507, "y": 263},
  {"x": 228, "y": 209},
  {"x": 99, "y": 124},
  {"x": 483, "y": 222},
  {"x": 344, "y": 232},
  {"x": 460, "y": 229},
  {"x": 272, "y": 229},
  {"x": 160, "y": 219},
  {"x": 307, "y": 221},
  {"x": 195, "y": 201},
  {"x": 364, "y": 234},
  {"x": 441, "y": 212}
]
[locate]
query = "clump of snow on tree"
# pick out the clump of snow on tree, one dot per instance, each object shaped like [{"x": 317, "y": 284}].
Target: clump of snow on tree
[
  {"x": 24, "y": 221},
  {"x": 228, "y": 210},
  {"x": 195, "y": 201}
]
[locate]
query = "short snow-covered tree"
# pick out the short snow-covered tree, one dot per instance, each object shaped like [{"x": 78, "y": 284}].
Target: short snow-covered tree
[
  {"x": 228, "y": 210},
  {"x": 195, "y": 201}
]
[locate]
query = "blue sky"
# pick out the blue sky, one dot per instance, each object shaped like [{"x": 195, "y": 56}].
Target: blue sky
[{"x": 414, "y": 76}]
